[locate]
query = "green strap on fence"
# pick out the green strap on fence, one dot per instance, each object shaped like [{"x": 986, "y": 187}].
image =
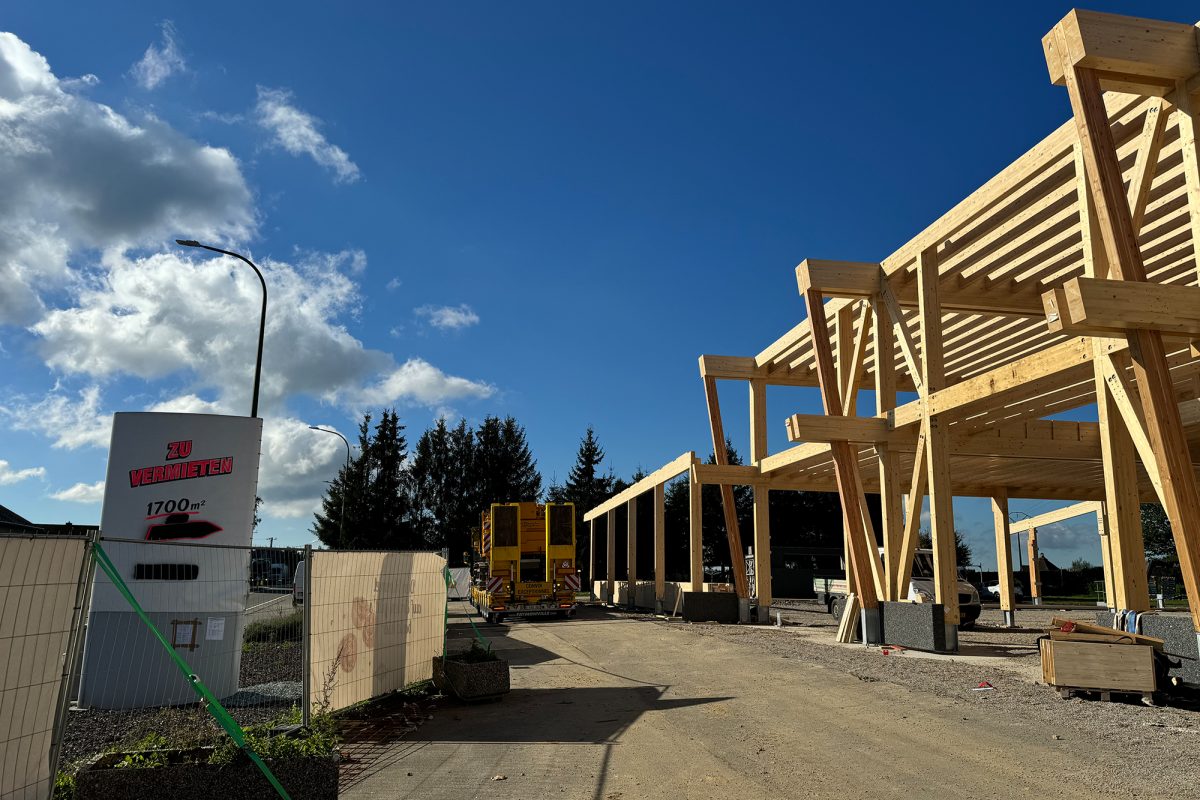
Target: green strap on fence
[
  {"x": 446, "y": 621},
  {"x": 210, "y": 702}
]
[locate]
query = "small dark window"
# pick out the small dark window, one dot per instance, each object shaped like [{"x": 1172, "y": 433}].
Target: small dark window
[
  {"x": 505, "y": 522},
  {"x": 166, "y": 572},
  {"x": 562, "y": 522},
  {"x": 533, "y": 568}
]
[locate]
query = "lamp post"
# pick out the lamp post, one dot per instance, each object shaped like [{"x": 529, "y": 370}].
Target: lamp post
[
  {"x": 342, "y": 513},
  {"x": 262, "y": 320}
]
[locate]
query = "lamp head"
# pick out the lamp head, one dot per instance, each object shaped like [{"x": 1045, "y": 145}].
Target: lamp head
[{"x": 187, "y": 242}]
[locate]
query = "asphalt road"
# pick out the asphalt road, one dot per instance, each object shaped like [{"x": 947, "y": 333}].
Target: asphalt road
[{"x": 614, "y": 707}]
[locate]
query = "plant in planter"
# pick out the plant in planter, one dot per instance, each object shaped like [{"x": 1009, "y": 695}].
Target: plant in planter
[
  {"x": 474, "y": 674},
  {"x": 306, "y": 763}
]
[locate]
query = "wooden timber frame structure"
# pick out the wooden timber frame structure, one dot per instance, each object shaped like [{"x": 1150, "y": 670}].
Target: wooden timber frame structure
[{"x": 1070, "y": 279}]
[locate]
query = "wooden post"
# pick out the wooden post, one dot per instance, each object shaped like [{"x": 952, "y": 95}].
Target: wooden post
[
  {"x": 937, "y": 440},
  {"x": 890, "y": 490},
  {"x": 1004, "y": 568},
  {"x": 736, "y": 557},
  {"x": 631, "y": 548},
  {"x": 1127, "y": 554},
  {"x": 660, "y": 546},
  {"x": 1035, "y": 572},
  {"x": 1110, "y": 597},
  {"x": 762, "y": 514},
  {"x": 612, "y": 556},
  {"x": 1164, "y": 426},
  {"x": 592, "y": 556},
  {"x": 762, "y": 551},
  {"x": 695, "y": 532}
]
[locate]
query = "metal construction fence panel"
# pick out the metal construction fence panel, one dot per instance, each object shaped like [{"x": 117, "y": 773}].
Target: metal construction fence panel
[
  {"x": 81, "y": 674},
  {"x": 227, "y": 611},
  {"x": 377, "y": 619},
  {"x": 41, "y": 594}
]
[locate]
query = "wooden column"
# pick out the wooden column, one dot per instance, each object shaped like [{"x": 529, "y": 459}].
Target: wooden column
[
  {"x": 1035, "y": 573},
  {"x": 737, "y": 558},
  {"x": 1164, "y": 427},
  {"x": 1127, "y": 553},
  {"x": 762, "y": 513},
  {"x": 631, "y": 547},
  {"x": 937, "y": 439},
  {"x": 890, "y": 490},
  {"x": 592, "y": 555},
  {"x": 695, "y": 532},
  {"x": 1110, "y": 597},
  {"x": 1003, "y": 554},
  {"x": 612, "y": 555},
  {"x": 660, "y": 545},
  {"x": 762, "y": 551}
]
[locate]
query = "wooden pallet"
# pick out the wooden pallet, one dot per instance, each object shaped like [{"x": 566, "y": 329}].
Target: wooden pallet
[
  {"x": 1098, "y": 666},
  {"x": 1104, "y": 695}
]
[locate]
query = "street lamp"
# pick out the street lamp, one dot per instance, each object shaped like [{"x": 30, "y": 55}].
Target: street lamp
[
  {"x": 342, "y": 513},
  {"x": 262, "y": 321}
]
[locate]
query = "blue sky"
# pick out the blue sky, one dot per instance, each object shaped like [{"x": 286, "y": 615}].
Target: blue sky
[{"x": 547, "y": 210}]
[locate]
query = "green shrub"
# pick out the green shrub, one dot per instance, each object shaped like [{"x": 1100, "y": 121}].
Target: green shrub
[
  {"x": 475, "y": 655},
  {"x": 64, "y": 786},
  {"x": 320, "y": 739},
  {"x": 150, "y": 747},
  {"x": 275, "y": 629}
]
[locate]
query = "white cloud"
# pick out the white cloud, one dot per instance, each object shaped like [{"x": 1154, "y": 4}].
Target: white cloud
[
  {"x": 161, "y": 61},
  {"x": 418, "y": 381},
  {"x": 82, "y": 493},
  {"x": 296, "y": 131},
  {"x": 449, "y": 317},
  {"x": 79, "y": 177},
  {"x": 394, "y": 284},
  {"x": 8, "y": 475},
  {"x": 69, "y": 421}
]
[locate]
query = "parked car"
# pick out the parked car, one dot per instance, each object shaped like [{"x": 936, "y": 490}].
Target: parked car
[
  {"x": 280, "y": 574},
  {"x": 1018, "y": 592},
  {"x": 298, "y": 586}
]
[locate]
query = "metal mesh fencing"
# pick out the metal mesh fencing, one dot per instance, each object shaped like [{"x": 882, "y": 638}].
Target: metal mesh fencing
[
  {"x": 41, "y": 596},
  {"x": 377, "y": 619},
  {"x": 228, "y": 611}
]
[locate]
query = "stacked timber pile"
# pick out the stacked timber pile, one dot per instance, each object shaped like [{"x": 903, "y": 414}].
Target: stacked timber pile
[{"x": 1080, "y": 657}]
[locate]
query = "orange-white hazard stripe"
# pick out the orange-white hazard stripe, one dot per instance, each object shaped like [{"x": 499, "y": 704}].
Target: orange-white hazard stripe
[
  {"x": 494, "y": 584},
  {"x": 572, "y": 582}
]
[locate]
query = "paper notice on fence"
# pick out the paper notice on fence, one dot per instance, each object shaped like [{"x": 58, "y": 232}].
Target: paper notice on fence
[{"x": 215, "y": 631}]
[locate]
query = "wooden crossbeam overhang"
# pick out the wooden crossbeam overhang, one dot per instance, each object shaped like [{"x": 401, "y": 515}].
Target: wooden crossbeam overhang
[
  {"x": 1096, "y": 307},
  {"x": 679, "y": 465}
]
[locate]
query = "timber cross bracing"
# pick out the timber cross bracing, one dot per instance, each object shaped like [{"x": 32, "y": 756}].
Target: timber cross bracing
[{"x": 1068, "y": 280}]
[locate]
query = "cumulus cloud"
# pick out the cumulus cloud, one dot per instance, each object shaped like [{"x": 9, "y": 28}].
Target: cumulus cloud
[
  {"x": 78, "y": 176},
  {"x": 8, "y": 475},
  {"x": 70, "y": 421},
  {"x": 418, "y": 381},
  {"x": 298, "y": 133},
  {"x": 449, "y": 317},
  {"x": 161, "y": 61},
  {"x": 82, "y": 493}
]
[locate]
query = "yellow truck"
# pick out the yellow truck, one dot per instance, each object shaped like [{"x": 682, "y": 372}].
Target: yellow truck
[{"x": 524, "y": 561}]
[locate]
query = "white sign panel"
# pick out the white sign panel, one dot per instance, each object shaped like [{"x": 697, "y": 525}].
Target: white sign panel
[{"x": 182, "y": 477}]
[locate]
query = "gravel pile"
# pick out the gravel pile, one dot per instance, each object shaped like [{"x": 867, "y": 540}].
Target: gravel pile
[{"x": 1159, "y": 745}]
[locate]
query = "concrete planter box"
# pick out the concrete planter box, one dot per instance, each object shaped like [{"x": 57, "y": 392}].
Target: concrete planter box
[
  {"x": 188, "y": 776},
  {"x": 479, "y": 680}
]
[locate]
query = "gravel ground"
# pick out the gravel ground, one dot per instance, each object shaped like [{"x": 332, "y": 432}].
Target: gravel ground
[
  {"x": 1159, "y": 745},
  {"x": 271, "y": 679}
]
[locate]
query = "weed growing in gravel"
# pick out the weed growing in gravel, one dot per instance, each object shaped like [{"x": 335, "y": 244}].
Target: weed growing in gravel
[{"x": 275, "y": 629}]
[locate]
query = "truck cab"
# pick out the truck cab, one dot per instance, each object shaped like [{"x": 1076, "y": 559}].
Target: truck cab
[{"x": 832, "y": 592}]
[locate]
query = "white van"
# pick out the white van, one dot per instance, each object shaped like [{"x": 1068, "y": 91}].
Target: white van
[
  {"x": 298, "y": 586},
  {"x": 832, "y": 591}
]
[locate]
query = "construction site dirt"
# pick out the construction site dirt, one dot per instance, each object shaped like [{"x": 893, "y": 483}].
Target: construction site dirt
[{"x": 616, "y": 705}]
